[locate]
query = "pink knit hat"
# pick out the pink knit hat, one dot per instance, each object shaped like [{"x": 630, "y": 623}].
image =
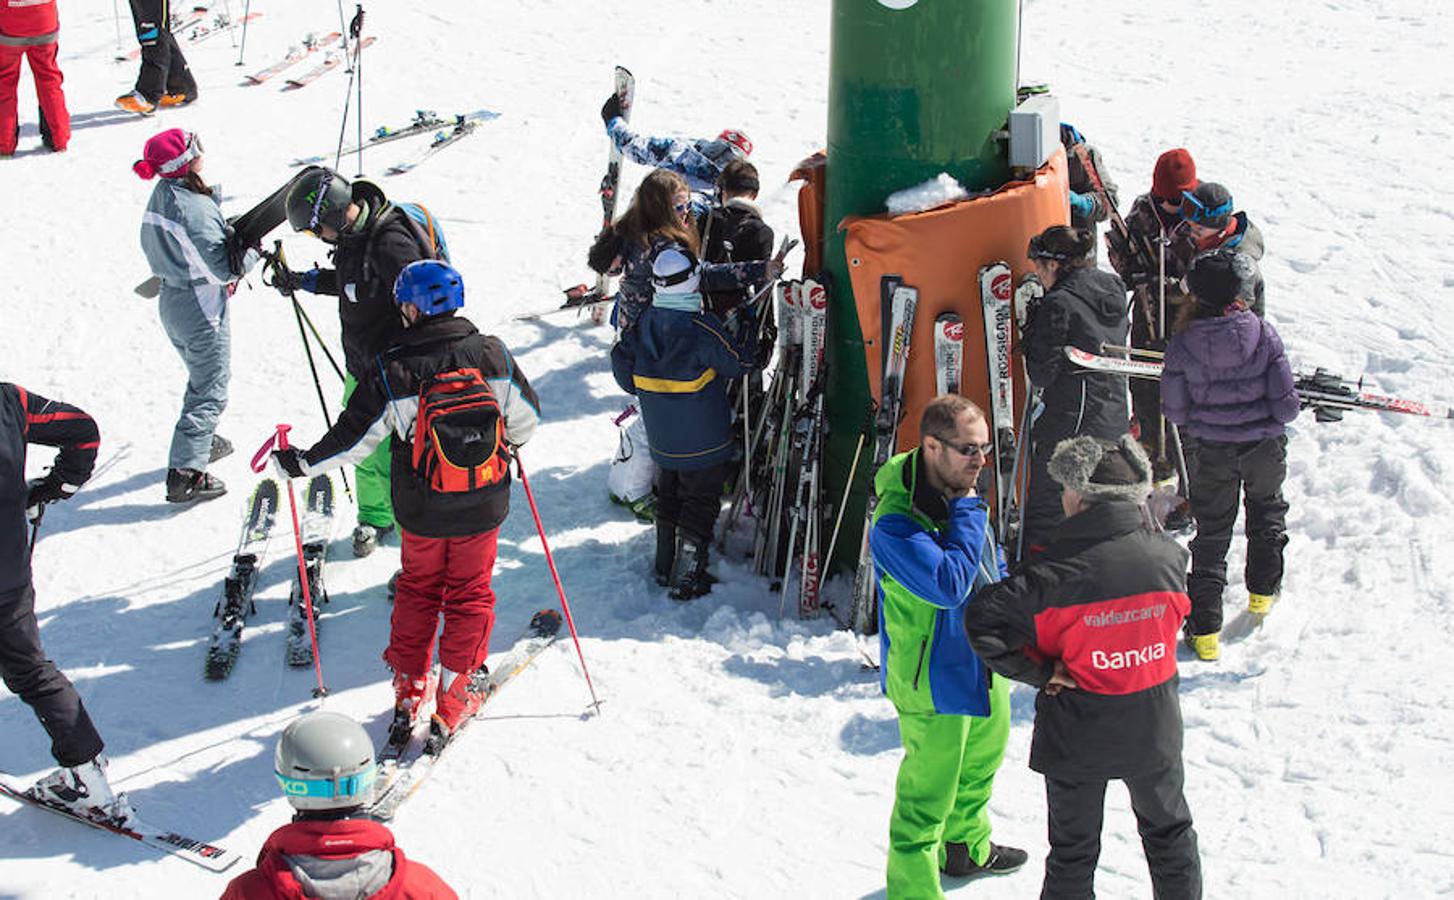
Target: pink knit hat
[{"x": 167, "y": 154}]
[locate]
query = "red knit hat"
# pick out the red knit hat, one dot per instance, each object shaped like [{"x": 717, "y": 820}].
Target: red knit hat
[
  {"x": 167, "y": 154},
  {"x": 1175, "y": 172}
]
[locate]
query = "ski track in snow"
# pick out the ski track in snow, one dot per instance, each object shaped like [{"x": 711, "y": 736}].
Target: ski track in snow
[{"x": 737, "y": 755}]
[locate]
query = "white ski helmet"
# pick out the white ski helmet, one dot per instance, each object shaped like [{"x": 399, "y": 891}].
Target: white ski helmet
[{"x": 325, "y": 761}]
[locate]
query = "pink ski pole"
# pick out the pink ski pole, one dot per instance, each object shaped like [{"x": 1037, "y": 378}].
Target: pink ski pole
[
  {"x": 259, "y": 462},
  {"x": 550, "y": 560}
]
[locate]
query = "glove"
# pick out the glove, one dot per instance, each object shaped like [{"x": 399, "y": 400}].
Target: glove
[
  {"x": 289, "y": 463},
  {"x": 306, "y": 281},
  {"x": 774, "y": 269},
  {"x": 765, "y": 347},
  {"x": 611, "y": 108},
  {"x": 1083, "y": 205},
  {"x": 49, "y": 489}
]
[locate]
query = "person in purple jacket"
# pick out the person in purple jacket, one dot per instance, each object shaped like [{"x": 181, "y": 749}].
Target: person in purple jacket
[{"x": 1228, "y": 385}]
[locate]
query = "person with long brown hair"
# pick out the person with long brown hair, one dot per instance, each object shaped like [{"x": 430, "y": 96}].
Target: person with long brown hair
[
  {"x": 186, "y": 242},
  {"x": 659, "y": 216}
]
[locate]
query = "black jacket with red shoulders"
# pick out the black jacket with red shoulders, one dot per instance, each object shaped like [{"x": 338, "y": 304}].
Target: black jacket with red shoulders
[
  {"x": 1107, "y": 598},
  {"x": 28, "y": 418}
]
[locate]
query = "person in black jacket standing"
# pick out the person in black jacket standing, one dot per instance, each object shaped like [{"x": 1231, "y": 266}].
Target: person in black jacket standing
[
  {"x": 165, "y": 79},
  {"x": 1083, "y": 307},
  {"x": 28, "y": 418},
  {"x": 373, "y": 241},
  {"x": 733, "y": 231},
  {"x": 1093, "y": 622},
  {"x": 451, "y": 485}
]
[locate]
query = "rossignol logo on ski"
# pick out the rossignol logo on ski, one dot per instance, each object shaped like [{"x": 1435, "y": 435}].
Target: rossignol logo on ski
[
  {"x": 1000, "y": 286},
  {"x": 954, "y": 331}
]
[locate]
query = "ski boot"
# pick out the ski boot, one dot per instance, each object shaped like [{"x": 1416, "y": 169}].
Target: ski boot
[
  {"x": 459, "y": 696},
  {"x": 134, "y": 102},
  {"x": 393, "y": 587},
  {"x": 410, "y": 694},
  {"x": 1207, "y": 647},
  {"x": 172, "y": 101},
  {"x": 1002, "y": 861},
  {"x": 188, "y": 485},
  {"x": 689, "y": 575},
  {"x": 85, "y": 791},
  {"x": 221, "y": 447},
  {"x": 366, "y": 537},
  {"x": 1260, "y": 604}
]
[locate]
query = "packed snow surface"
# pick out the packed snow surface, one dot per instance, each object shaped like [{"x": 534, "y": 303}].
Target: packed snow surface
[{"x": 738, "y": 754}]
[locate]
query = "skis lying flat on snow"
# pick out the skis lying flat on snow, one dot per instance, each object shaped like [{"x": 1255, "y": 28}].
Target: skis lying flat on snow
[
  {"x": 317, "y": 528},
  {"x": 331, "y": 61},
  {"x": 179, "y": 24},
  {"x": 294, "y": 56},
  {"x": 424, "y": 121},
  {"x": 400, "y": 781},
  {"x": 220, "y": 25},
  {"x": 443, "y": 139},
  {"x": 208, "y": 856},
  {"x": 236, "y": 603},
  {"x": 1327, "y": 394},
  {"x": 899, "y": 302}
]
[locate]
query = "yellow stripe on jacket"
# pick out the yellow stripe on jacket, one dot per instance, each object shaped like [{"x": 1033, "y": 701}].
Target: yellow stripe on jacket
[{"x": 674, "y": 385}]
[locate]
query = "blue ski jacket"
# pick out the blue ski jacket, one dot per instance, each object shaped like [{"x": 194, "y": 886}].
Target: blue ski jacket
[{"x": 699, "y": 161}]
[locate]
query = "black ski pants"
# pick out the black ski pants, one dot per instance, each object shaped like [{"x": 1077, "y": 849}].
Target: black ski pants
[
  {"x": 690, "y": 499},
  {"x": 37, "y": 681},
  {"x": 164, "y": 69},
  {"x": 1221, "y": 474},
  {"x": 1076, "y": 811}
]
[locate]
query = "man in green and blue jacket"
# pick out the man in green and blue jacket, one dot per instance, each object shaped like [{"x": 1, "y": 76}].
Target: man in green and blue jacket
[{"x": 932, "y": 549}]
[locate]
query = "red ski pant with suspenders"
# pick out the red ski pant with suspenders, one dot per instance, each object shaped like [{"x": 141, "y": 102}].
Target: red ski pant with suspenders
[{"x": 448, "y": 577}]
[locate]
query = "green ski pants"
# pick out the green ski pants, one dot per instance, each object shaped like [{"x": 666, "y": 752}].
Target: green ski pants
[
  {"x": 375, "y": 505},
  {"x": 943, "y": 792}
]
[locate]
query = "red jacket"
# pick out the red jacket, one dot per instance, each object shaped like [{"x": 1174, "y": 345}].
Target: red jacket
[
  {"x": 28, "y": 18},
  {"x": 322, "y": 842}
]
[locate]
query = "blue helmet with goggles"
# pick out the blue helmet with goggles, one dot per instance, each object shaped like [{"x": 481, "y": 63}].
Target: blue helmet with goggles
[
  {"x": 325, "y": 761},
  {"x": 1210, "y": 205}
]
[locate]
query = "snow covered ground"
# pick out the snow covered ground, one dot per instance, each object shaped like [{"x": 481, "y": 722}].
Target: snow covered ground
[{"x": 739, "y": 755}]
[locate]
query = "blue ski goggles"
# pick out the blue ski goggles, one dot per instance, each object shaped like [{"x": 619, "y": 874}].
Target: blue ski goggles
[
  {"x": 360, "y": 785},
  {"x": 1194, "y": 210}
]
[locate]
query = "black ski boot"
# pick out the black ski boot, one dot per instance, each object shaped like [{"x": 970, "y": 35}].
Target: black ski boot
[
  {"x": 187, "y": 485},
  {"x": 221, "y": 447},
  {"x": 366, "y": 538},
  {"x": 690, "y": 578},
  {"x": 1002, "y": 861},
  {"x": 666, "y": 551}
]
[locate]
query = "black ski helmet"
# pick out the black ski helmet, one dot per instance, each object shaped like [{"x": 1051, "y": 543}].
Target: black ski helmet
[{"x": 319, "y": 199}]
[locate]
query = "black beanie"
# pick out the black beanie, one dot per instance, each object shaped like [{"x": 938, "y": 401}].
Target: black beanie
[{"x": 1219, "y": 277}]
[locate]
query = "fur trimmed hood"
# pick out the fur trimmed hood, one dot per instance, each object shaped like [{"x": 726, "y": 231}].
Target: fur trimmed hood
[{"x": 1102, "y": 471}]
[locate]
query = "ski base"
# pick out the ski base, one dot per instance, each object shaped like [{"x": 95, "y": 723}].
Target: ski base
[
  {"x": 208, "y": 856},
  {"x": 413, "y": 766}
]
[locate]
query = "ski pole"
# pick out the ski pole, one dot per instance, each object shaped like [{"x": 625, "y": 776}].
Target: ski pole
[
  {"x": 116, "y": 19},
  {"x": 843, "y": 504},
  {"x": 353, "y": 31},
  {"x": 35, "y": 529},
  {"x": 231, "y": 34},
  {"x": 259, "y": 462},
  {"x": 358, "y": 67},
  {"x": 343, "y": 28},
  {"x": 560, "y": 590},
  {"x": 246, "y": 14}
]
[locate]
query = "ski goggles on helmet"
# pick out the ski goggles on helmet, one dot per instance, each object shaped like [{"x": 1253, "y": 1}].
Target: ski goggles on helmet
[
  {"x": 1038, "y": 250},
  {"x": 191, "y": 151},
  {"x": 360, "y": 785},
  {"x": 1197, "y": 212}
]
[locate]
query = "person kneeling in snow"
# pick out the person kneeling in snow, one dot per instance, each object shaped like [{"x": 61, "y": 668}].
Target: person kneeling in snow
[
  {"x": 1093, "y": 623},
  {"x": 26, "y": 418},
  {"x": 457, "y": 405},
  {"x": 677, "y": 361},
  {"x": 325, "y": 765}
]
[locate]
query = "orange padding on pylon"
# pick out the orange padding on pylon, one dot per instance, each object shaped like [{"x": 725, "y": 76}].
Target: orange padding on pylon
[
  {"x": 940, "y": 252},
  {"x": 813, "y": 172}
]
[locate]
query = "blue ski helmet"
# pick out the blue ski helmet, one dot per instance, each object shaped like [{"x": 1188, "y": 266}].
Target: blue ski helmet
[{"x": 433, "y": 286}]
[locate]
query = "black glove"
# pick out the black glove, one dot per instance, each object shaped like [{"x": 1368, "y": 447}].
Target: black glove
[
  {"x": 611, "y": 108},
  {"x": 765, "y": 346},
  {"x": 49, "y": 489},
  {"x": 289, "y": 462}
]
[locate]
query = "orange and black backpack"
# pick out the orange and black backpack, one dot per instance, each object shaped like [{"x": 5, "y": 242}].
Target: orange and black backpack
[{"x": 459, "y": 433}]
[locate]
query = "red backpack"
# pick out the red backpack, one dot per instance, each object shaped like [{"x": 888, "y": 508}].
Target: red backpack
[{"x": 459, "y": 433}]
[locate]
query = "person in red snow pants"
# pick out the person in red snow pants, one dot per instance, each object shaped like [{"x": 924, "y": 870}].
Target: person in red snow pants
[
  {"x": 449, "y": 576},
  {"x": 30, "y": 29}
]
